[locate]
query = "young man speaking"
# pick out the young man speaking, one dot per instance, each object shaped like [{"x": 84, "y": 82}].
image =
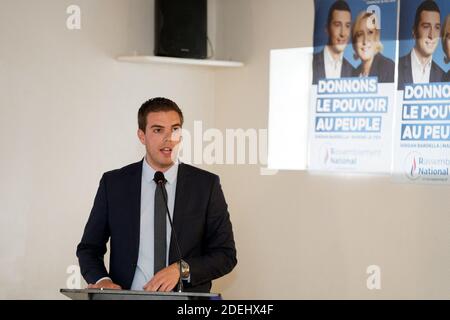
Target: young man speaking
[{"x": 130, "y": 211}]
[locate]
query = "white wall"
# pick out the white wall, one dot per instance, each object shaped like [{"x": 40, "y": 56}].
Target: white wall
[{"x": 68, "y": 113}]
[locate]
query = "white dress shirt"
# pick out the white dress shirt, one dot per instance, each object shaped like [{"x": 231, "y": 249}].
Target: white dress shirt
[
  {"x": 332, "y": 67},
  {"x": 420, "y": 72},
  {"x": 144, "y": 270}
]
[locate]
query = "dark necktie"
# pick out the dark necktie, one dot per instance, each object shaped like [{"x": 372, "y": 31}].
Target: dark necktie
[{"x": 160, "y": 228}]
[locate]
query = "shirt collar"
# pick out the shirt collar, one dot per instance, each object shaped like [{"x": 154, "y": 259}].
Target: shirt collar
[
  {"x": 149, "y": 173},
  {"x": 329, "y": 57},
  {"x": 416, "y": 60}
]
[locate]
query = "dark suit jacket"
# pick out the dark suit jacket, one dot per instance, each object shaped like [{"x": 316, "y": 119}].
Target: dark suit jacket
[
  {"x": 319, "y": 67},
  {"x": 382, "y": 67},
  {"x": 201, "y": 222},
  {"x": 405, "y": 75},
  {"x": 446, "y": 77}
]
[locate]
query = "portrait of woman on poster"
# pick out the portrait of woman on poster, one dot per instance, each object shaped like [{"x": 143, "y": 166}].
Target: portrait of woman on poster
[
  {"x": 446, "y": 45},
  {"x": 368, "y": 47}
]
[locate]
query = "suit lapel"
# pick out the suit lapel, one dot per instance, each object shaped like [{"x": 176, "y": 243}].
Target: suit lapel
[
  {"x": 134, "y": 187},
  {"x": 375, "y": 66},
  {"x": 408, "y": 70},
  {"x": 347, "y": 69},
  {"x": 435, "y": 74},
  {"x": 181, "y": 203},
  {"x": 321, "y": 67}
]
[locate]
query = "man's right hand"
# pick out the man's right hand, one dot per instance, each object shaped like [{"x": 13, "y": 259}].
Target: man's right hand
[{"x": 105, "y": 284}]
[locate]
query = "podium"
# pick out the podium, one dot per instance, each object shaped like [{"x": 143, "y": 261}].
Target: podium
[{"x": 106, "y": 294}]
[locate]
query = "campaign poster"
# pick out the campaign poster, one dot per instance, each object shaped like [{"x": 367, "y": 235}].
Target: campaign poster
[
  {"x": 353, "y": 86},
  {"x": 422, "y": 121}
]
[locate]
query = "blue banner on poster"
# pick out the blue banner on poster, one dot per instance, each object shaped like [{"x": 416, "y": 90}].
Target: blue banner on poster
[
  {"x": 422, "y": 129},
  {"x": 353, "y": 90}
]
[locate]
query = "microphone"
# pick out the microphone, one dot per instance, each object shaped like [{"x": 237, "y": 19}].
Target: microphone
[
  {"x": 160, "y": 181},
  {"x": 159, "y": 177}
]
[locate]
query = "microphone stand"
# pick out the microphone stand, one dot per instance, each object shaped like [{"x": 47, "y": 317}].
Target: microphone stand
[{"x": 163, "y": 191}]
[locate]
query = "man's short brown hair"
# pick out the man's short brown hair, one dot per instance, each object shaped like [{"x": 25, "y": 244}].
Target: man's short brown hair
[
  {"x": 338, "y": 5},
  {"x": 157, "y": 105},
  {"x": 427, "y": 5}
]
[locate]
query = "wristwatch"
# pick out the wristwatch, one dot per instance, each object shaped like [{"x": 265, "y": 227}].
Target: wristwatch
[{"x": 185, "y": 270}]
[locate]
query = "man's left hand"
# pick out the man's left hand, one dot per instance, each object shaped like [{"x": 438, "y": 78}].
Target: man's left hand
[{"x": 165, "y": 280}]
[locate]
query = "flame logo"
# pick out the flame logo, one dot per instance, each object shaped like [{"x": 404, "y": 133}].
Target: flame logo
[
  {"x": 327, "y": 156},
  {"x": 413, "y": 167}
]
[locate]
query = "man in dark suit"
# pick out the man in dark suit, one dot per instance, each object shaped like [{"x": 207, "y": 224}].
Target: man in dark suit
[
  {"x": 129, "y": 211},
  {"x": 330, "y": 62},
  {"x": 418, "y": 65}
]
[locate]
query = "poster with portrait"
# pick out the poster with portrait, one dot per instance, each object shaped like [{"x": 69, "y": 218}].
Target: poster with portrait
[
  {"x": 353, "y": 86},
  {"x": 422, "y": 121}
]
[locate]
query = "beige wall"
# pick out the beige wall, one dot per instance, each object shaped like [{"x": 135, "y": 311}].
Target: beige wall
[
  {"x": 301, "y": 236},
  {"x": 67, "y": 114}
]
